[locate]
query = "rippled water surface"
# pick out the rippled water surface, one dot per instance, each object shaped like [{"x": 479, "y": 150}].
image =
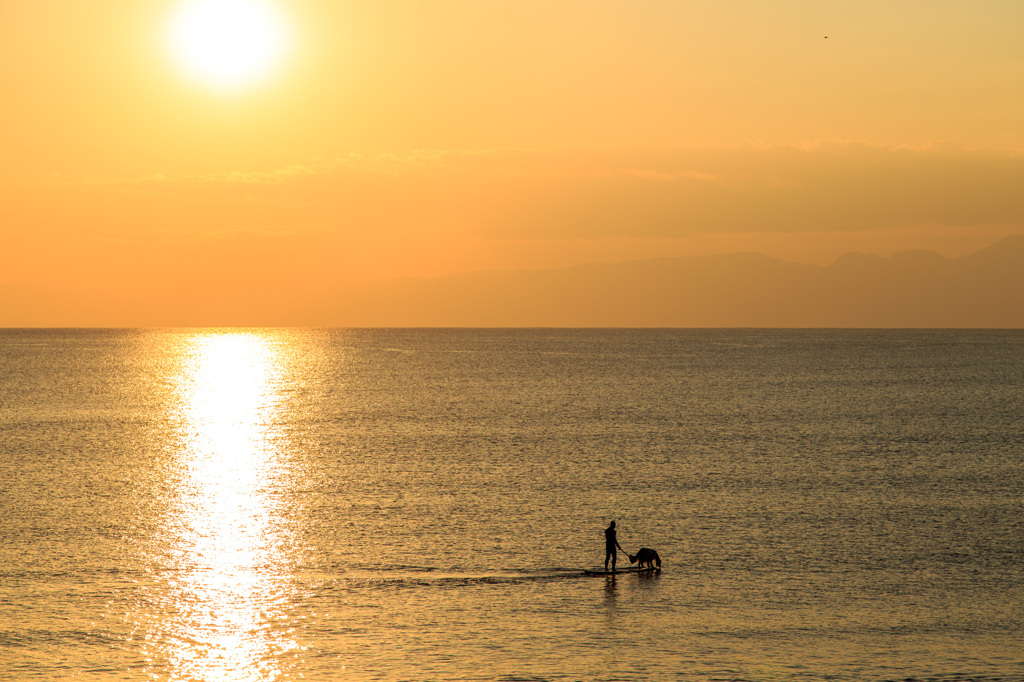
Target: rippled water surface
[{"x": 419, "y": 504}]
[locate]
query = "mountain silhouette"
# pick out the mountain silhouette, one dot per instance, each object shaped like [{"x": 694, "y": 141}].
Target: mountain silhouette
[{"x": 909, "y": 289}]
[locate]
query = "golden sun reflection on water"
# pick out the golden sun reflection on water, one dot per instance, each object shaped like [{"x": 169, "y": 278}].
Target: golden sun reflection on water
[{"x": 229, "y": 538}]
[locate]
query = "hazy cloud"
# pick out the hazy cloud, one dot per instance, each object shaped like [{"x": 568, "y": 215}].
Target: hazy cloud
[
  {"x": 449, "y": 211},
  {"x": 515, "y": 194},
  {"x": 821, "y": 187}
]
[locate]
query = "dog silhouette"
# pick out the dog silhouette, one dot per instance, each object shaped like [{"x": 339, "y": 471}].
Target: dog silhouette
[{"x": 645, "y": 556}]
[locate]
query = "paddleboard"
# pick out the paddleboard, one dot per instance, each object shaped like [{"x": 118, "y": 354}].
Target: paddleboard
[{"x": 627, "y": 569}]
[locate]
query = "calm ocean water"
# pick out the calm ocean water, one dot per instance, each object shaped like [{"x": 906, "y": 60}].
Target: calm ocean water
[{"x": 419, "y": 504}]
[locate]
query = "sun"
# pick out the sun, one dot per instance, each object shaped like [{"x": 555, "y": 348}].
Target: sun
[{"x": 228, "y": 44}]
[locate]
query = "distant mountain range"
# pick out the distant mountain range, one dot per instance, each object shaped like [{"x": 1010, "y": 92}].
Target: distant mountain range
[{"x": 909, "y": 289}]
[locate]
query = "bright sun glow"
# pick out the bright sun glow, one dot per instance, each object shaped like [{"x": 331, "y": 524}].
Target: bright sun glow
[{"x": 228, "y": 44}]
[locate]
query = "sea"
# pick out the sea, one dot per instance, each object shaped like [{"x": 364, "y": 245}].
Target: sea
[{"x": 420, "y": 504}]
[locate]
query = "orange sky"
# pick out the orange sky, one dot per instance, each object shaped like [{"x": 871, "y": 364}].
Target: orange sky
[{"x": 401, "y": 138}]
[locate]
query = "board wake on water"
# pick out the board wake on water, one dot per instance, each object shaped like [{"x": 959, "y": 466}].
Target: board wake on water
[
  {"x": 625, "y": 569},
  {"x": 406, "y": 576}
]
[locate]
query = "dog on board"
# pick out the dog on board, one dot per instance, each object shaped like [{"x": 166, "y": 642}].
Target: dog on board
[{"x": 647, "y": 558}]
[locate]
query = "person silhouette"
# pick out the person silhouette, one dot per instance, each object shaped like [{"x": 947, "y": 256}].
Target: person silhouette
[{"x": 610, "y": 545}]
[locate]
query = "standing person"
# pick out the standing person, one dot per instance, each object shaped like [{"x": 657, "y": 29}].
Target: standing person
[{"x": 610, "y": 545}]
